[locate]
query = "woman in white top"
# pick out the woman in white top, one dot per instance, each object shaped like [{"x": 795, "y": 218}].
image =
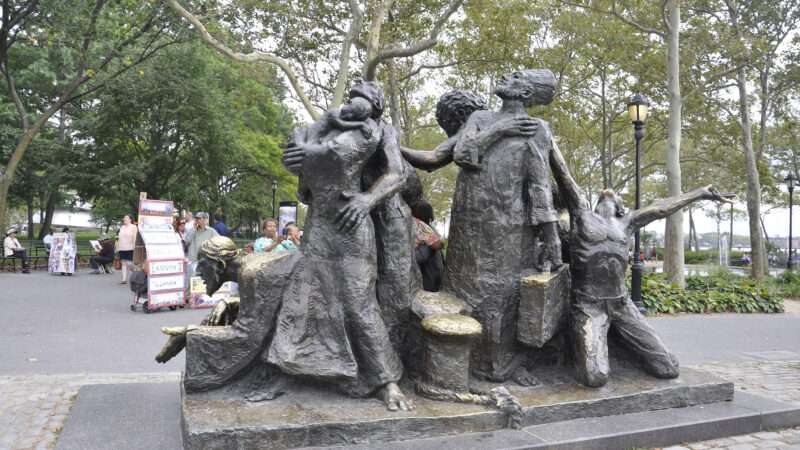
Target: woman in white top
[{"x": 126, "y": 244}]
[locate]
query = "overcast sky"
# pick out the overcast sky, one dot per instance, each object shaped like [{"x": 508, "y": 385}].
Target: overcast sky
[{"x": 776, "y": 222}]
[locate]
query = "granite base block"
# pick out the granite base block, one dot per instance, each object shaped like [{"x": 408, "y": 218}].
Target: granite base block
[{"x": 309, "y": 415}]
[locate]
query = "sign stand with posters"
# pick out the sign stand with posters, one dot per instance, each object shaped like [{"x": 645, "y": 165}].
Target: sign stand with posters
[
  {"x": 160, "y": 253},
  {"x": 63, "y": 252}
]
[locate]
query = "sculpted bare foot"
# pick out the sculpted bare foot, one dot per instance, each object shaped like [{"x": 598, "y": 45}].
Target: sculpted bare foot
[
  {"x": 394, "y": 398},
  {"x": 524, "y": 378}
]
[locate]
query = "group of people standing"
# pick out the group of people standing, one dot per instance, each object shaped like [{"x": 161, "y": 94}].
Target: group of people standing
[{"x": 194, "y": 232}]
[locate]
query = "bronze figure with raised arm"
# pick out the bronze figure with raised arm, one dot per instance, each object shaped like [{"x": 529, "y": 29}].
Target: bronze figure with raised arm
[{"x": 599, "y": 242}]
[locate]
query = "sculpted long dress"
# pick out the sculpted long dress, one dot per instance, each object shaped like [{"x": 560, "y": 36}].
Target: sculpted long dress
[
  {"x": 312, "y": 312},
  {"x": 330, "y": 324}
]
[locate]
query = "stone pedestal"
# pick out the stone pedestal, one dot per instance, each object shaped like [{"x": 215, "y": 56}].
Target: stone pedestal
[
  {"x": 543, "y": 306},
  {"x": 448, "y": 338},
  {"x": 316, "y": 415}
]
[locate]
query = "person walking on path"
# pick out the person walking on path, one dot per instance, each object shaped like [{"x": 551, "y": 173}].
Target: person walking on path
[
  {"x": 195, "y": 237},
  {"x": 126, "y": 244},
  {"x": 13, "y": 249}
]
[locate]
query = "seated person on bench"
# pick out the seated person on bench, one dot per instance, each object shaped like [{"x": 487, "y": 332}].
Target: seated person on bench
[
  {"x": 13, "y": 249},
  {"x": 104, "y": 256}
]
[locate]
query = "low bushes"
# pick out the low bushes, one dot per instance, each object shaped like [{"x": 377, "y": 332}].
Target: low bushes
[
  {"x": 786, "y": 285},
  {"x": 719, "y": 292}
]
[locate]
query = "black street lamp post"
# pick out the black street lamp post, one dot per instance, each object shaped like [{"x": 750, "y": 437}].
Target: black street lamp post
[
  {"x": 274, "y": 190},
  {"x": 790, "y": 182},
  {"x": 637, "y": 111}
]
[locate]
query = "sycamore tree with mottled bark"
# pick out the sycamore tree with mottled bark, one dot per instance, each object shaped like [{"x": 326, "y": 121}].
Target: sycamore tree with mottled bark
[{"x": 319, "y": 46}]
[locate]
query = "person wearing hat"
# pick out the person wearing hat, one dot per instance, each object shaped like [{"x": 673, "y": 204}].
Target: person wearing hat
[
  {"x": 104, "y": 256},
  {"x": 13, "y": 249},
  {"x": 195, "y": 237}
]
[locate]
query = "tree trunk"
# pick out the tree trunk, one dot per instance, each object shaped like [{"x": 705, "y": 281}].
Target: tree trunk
[
  {"x": 29, "y": 204},
  {"x": 730, "y": 237},
  {"x": 604, "y": 151},
  {"x": 394, "y": 107},
  {"x": 5, "y": 185},
  {"x": 692, "y": 233},
  {"x": 719, "y": 231},
  {"x": 766, "y": 236},
  {"x": 47, "y": 221},
  {"x": 673, "y": 230},
  {"x": 753, "y": 181},
  {"x": 764, "y": 95}
]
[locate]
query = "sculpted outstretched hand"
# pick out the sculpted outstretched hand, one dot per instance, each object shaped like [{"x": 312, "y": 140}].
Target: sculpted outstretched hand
[
  {"x": 224, "y": 312},
  {"x": 175, "y": 343},
  {"x": 293, "y": 157},
  {"x": 354, "y": 211},
  {"x": 517, "y": 126}
]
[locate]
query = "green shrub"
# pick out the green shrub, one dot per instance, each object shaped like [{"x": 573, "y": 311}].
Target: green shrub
[
  {"x": 719, "y": 292},
  {"x": 787, "y": 284},
  {"x": 701, "y": 257}
]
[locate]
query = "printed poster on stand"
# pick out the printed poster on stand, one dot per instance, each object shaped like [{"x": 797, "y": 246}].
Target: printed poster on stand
[
  {"x": 198, "y": 298},
  {"x": 63, "y": 252},
  {"x": 163, "y": 254}
]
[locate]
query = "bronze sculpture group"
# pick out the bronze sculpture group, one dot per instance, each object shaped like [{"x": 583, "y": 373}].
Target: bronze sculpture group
[{"x": 348, "y": 308}]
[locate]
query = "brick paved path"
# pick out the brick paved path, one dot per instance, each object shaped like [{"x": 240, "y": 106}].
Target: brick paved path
[
  {"x": 781, "y": 439},
  {"x": 775, "y": 375},
  {"x": 34, "y": 409}
]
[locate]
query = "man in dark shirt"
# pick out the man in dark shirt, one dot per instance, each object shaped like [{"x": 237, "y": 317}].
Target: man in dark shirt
[
  {"x": 104, "y": 256},
  {"x": 220, "y": 226}
]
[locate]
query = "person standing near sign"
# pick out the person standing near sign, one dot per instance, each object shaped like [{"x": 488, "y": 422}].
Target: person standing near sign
[
  {"x": 127, "y": 243},
  {"x": 195, "y": 237}
]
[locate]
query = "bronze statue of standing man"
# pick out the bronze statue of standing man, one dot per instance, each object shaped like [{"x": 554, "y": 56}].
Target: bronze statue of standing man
[{"x": 503, "y": 221}]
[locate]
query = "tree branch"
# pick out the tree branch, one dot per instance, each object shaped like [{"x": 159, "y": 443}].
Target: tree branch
[
  {"x": 714, "y": 78},
  {"x": 89, "y": 36},
  {"x": 248, "y": 57},
  {"x": 12, "y": 90},
  {"x": 619, "y": 16},
  {"x": 398, "y": 51},
  {"x": 344, "y": 57}
]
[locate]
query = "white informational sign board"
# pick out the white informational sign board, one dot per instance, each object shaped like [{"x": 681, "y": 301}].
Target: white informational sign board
[
  {"x": 63, "y": 251},
  {"x": 166, "y": 281}
]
